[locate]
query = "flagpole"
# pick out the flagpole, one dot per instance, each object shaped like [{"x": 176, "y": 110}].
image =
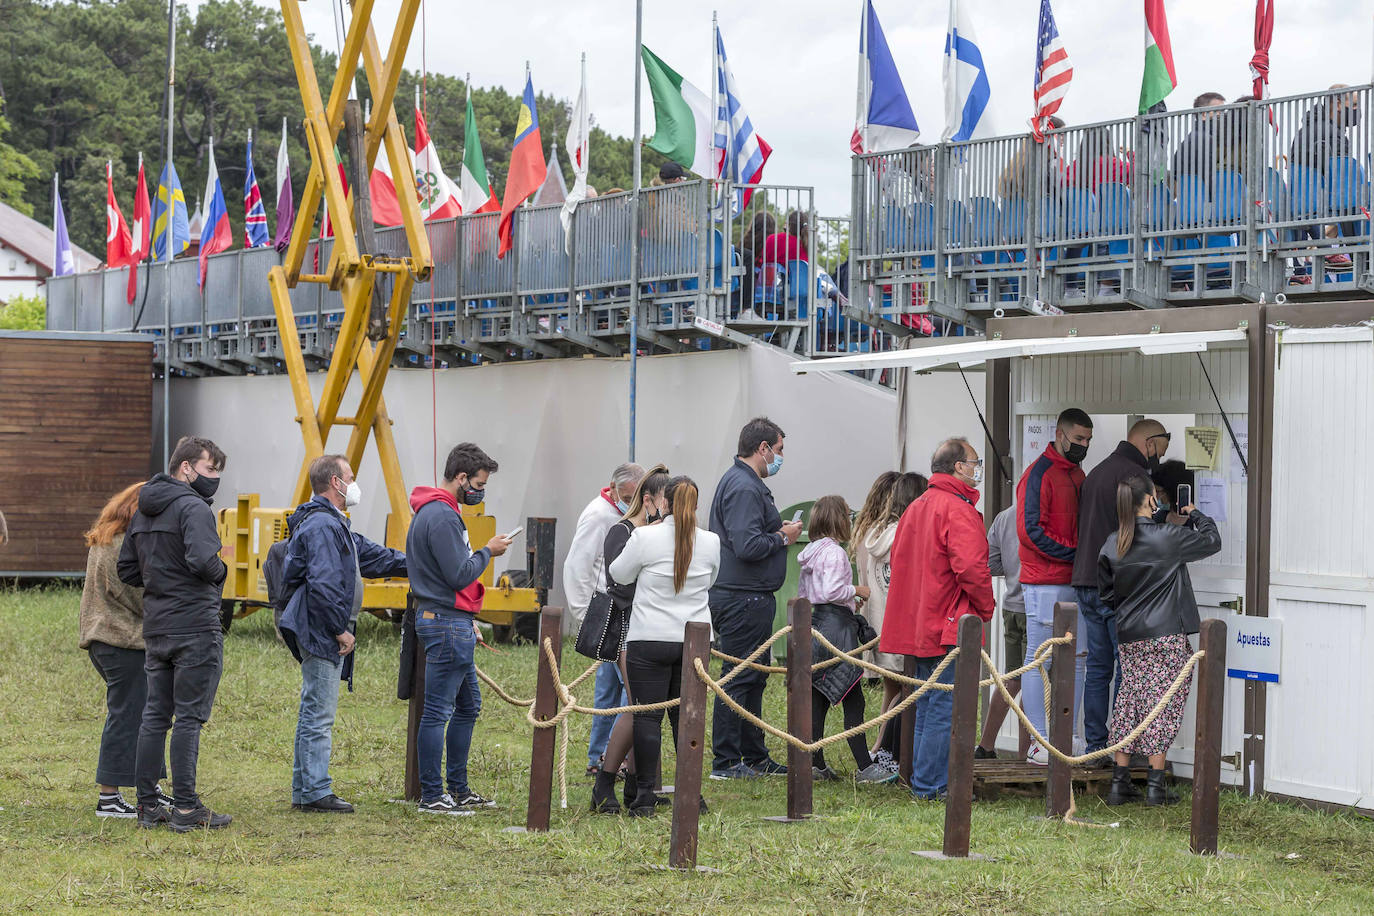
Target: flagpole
[
  {"x": 865, "y": 88},
  {"x": 715, "y": 110},
  {"x": 169, "y": 215},
  {"x": 637, "y": 177}
]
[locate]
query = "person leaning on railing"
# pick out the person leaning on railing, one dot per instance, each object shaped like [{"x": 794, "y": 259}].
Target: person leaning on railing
[{"x": 1142, "y": 573}]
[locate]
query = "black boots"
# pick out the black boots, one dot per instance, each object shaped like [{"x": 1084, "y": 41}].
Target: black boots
[
  {"x": 1156, "y": 792},
  {"x": 1122, "y": 790},
  {"x": 603, "y": 794}
]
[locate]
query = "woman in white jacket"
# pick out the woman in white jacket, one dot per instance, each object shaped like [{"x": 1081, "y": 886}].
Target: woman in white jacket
[{"x": 672, "y": 566}]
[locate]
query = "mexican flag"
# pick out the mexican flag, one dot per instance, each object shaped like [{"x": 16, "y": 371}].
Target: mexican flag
[
  {"x": 1159, "y": 79},
  {"x": 438, "y": 196},
  {"x": 475, "y": 191},
  {"x": 682, "y": 118}
]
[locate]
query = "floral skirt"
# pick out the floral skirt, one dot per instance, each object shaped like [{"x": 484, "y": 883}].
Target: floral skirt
[{"x": 1148, "y": 667}]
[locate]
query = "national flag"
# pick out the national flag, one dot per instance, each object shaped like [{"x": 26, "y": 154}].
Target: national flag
[
  {"x": 215, "y": 234},
  {"x": 885, "y": 120},
  {"x": 63, "y": 261},
  {"x": 1159, "y": 78},
  {"x": 554, "y": 190},
  {"x": 967, "y": 92},
  {"x": 254, "y": 216},
  {"x": 476, "y": 194},
  {"x": 386, "y": 208},
  {"x": 438, "y": 196},
  {"x": 683, "y": 121},
  {"x": 171, "y": 231},
  {"x": 141, "y": 230},
  {"x": 527, "y": 167},
  {"x": 119, "y": 245},
  {"x": 1264, "y": 35},
  {"x": 1053, "y": 72},
  {"x": 741, "y": 151},
  {"x": 579, "y": 149},
  {"x": 286, "y": 206}
]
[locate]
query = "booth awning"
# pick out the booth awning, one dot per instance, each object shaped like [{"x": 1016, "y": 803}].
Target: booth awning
[{"x": 974, "y": 352}]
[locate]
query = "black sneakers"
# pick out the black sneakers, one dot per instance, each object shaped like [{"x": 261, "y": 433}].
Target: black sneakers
[
  {"x": 152, "y": 818},
  {"x": 444, "y": 804},
  {"x": 200, "y": 818},
  {"x": 112, "y": 804},
  {"x": 329, "y": 804},
  {"x": 471, "y": 800},
  {"x": 769, "y": 767}
]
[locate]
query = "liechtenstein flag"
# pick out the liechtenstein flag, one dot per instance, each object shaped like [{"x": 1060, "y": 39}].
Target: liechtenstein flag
[
  {"x": 254, "y": 216},
  {"x": 215, "y": 234}
]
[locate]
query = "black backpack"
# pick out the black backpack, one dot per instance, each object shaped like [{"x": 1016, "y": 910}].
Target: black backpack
[{"x": 273, "y": 568}]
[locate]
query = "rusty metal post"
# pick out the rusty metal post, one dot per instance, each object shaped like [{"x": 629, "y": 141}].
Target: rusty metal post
[
  {"x": 545, "y": 707},
  {"x": 799, "y": 777},
  {"x": 905, "y": 749},
  {"x": 691, "y": 743},
  {"x": 1059, "y": 715},
  {"x": 963, "y": 735},
  {"x": 1211, "y": 692}
]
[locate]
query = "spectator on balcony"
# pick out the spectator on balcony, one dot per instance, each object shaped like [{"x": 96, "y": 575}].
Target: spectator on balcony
[
  {"x": 1203, "y": 151},
  {"x": 1325, "y": 135},
  {"x": 1016, "y": 178},
  {"x": 751, "y": 254},
  {"x": 1099, "y": 160},
  {"x": 790, "y": 244}
]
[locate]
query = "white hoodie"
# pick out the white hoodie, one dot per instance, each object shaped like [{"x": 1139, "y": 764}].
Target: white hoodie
[{"x": 873, "y": 557}]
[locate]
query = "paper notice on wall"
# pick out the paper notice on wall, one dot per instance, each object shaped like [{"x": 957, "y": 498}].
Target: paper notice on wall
[
  {"x": 1211, "y": 497},
  {"x": 1036, "y": 435},
  {"x": 1201, "y": 445},
  {"x": 1241, "y": 427}
]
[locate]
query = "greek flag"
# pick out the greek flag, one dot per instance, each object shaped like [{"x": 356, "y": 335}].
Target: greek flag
[
  {"x": 967, "y": 92},
  {"x": 741, "y": 152}
]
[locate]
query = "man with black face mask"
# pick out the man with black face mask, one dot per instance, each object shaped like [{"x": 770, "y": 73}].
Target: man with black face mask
[
  {"x": 1146, "y": 442},
  {"x": 172, "y": 552}
]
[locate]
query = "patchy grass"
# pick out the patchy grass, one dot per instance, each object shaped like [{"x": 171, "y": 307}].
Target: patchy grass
[{"x": 857, "y": 857}]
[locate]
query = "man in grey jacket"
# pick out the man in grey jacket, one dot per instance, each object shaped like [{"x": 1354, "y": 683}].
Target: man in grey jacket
[{"x": 1004, "y": 559}]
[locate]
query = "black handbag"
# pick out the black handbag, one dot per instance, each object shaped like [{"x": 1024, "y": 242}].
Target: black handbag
[{"x": 602, "y": 634}]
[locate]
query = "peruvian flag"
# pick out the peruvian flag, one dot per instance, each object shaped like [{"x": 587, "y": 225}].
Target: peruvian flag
[
  {"x": 119, "y": 245},
  {"x": 142, "y": 229},
  {"x": 438, "y": 195}
]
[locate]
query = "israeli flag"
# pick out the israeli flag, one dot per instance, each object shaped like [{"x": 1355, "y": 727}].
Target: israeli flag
[{"x": 967, "y": 92}]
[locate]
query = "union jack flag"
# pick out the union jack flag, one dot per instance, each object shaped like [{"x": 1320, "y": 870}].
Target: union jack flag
[
  {"x": 1053, "y": 71},
  {"x": 254, "y": 216}
]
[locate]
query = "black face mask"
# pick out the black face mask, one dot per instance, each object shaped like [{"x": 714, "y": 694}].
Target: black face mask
[
  {"x": 1152, "y": 463},
  {"x": 1076, "y": 452},
  {"x": 205, "y": 487},
  {"x": 652, "y": 517},
  {"x": 472, "y": 497}
]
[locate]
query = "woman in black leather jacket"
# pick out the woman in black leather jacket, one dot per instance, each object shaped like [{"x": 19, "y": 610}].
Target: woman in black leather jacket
[{"x": 1142, "y": 573}]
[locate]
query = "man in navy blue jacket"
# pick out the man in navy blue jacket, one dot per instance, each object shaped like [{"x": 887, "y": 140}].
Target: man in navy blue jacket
[
  {"x": 323, "y": 573},
  {"x": 753, "y": 564}
]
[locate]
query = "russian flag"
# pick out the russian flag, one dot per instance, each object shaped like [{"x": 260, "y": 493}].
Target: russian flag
[
  {"x": 885, "y": 120},
  {"x": 215, "y": 234}
]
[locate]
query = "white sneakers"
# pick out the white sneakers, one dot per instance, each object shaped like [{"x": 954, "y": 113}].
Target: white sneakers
[{"x": 1038, "y": 755}]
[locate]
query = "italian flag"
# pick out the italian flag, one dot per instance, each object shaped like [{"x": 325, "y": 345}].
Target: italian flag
[
  {"x": 475, "y": 192},
  {"x": 682, "y": 118},
  {"x": 1159, "y": 79}
]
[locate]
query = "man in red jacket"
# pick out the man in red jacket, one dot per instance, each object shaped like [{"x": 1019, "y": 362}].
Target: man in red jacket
[
  {"x": 1047, "y": 524},
  {"x": 939, "y": 574}
]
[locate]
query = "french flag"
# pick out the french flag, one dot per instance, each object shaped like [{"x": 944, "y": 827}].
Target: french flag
[
  {"x": 885, "y": 120},
  {"x": 215, "y": 233},
  {"x": 742, "y": 151}
]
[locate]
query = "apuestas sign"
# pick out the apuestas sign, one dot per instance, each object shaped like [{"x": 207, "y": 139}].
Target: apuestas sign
[{"x": 1254, "y": 652}]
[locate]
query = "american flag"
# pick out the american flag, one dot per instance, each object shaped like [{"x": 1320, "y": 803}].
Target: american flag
[{"x": 1053, "y": 71}]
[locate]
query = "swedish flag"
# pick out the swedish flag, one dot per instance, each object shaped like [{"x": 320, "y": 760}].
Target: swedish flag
[{"x": 177, "y": 229}]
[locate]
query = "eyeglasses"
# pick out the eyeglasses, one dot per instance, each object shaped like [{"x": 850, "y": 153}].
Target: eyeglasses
[{"x": 978, "y": 463}]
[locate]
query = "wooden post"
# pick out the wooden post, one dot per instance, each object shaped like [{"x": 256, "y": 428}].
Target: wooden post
[
  {"x": 1059, "y": 715},
  {"x": 691, "y": 743},
  {"x": 799, "y": 778},
  {"x": 963, "y": 735},
  {"x": 413, "y": 713},
  {"x": 545, "y": 707},
  {"x": 905, "y": 747},
  {"x": 1211, "y": 691}
]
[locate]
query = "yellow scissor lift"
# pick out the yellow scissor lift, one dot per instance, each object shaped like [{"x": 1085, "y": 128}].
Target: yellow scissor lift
[{"x": 370, "y": 327}]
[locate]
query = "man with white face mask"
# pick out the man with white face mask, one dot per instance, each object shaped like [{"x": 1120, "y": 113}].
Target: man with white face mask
[{"x": 323, "y": 575}]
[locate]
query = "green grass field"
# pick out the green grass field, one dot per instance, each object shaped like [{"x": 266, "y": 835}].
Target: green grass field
[{"x": 856, "y": 857}]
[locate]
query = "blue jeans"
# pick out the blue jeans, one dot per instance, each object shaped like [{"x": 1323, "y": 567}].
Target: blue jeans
[
  {"x": 609, "y": 692},
  {"x": 930, "y": 737},
  {"x": 1040, "y": 602},
  {"x": 315, "y": 729},
  {"x": 1099, "y": 635},
  {"x": 453, "y": 700}
]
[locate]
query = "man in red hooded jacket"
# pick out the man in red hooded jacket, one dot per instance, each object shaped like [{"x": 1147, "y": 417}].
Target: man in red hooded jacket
[{"x": 939, "y": 574}]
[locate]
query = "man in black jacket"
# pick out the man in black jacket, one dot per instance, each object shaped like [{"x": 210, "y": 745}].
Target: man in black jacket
[
  {"x": 753, "y": 564},
  {"x": 171, "y": 551},
  {"x": 1145, "y": 445}
]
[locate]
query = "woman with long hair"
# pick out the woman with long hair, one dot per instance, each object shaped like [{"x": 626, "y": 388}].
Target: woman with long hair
[
  {"x": 672, "y": 566},
  {"x": 649, "y": 506},
  {"x": 111, "y": 631},
  {"x": 1142, "y": 573}
]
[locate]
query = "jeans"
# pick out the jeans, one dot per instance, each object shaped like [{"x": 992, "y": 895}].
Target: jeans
[
  {"x": 741, "y": 621},
  {"x": 609, "y": 692},
  {"x": 655, "y": 670},
  {"x": 315, "y": 728},
  {"x": 1099, "y": 637},
  {"x": 183, "y": 675},
  {"x": 453, "y": 700},
  {"x": 126, "y": 693},
  {"x": 1040, "y": 602},
  {"x": 930, "y": 736}
]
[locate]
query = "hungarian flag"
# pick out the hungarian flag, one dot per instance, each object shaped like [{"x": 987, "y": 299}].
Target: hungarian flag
[
  {"x": 527, "y": 166},
  {"x": 1159, "y": 79},
  {"x": 142, "y": 229},
  {"x": 215, "y": 234},
  {"x": 438, "y": 196},
  {"x": 683, "y": 120},
  {"x": 476, "y": 194},
  {"x": 119, "y": 245}
]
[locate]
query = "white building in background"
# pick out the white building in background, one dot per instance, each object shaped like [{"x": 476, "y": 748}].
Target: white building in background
[{"x": 26, "y": 255}]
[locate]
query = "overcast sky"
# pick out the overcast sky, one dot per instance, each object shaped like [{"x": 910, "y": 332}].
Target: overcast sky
[{"x": 795, "y": 61}]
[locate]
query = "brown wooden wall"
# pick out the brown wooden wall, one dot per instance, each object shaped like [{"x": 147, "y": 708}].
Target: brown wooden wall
[{"x": 75, "y": 428}]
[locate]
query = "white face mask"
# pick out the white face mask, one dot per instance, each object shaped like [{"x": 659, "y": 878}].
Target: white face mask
[
  {"x": 978, "y": 476},
  {"x": 352, "y": 495}
]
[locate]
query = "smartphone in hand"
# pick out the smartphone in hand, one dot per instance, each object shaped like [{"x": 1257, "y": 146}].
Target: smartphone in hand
[
  {"x": 797, "y": 516},
  {"x": 516, "y": 533},
  {"x": 1183, "y": 497}
]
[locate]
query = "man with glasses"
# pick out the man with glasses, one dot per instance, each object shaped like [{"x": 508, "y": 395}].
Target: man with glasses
[{"x": 1138, "y": 456}]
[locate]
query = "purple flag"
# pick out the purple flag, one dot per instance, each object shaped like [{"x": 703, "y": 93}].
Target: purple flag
[
  {"x": 286, "y": 206},
  {"x": 63, "y": 261}
]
